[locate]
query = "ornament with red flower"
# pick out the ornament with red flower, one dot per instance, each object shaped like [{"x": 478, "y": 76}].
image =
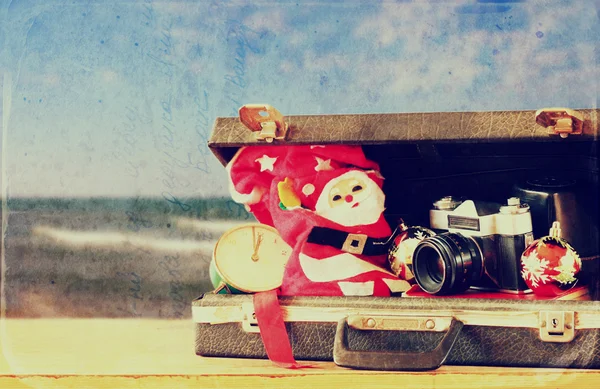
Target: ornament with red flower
[{"x": 550, "y": 265}]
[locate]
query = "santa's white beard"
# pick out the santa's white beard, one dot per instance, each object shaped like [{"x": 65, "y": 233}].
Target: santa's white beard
[{"x": 367, "y": 212}]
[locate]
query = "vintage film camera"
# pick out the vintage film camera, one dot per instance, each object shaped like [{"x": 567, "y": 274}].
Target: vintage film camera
[{"x": 480, "y": 248}]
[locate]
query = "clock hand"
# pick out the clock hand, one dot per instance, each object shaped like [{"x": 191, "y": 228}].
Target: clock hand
[{"x": 257, "y": 246}]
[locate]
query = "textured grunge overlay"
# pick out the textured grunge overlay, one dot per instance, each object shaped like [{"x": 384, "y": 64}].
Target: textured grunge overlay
[{"x": 112, "y": 200}]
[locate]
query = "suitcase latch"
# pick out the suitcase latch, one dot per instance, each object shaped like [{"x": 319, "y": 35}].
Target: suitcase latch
[
  {"x": 557, "y": 326},
  {"x": 560, "y": 121},
  {"x": 265, "y": 121},
  {"x": 249, "y": 322}
]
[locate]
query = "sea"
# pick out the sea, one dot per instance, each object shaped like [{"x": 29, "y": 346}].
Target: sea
[{"x": 110, "y": 257}]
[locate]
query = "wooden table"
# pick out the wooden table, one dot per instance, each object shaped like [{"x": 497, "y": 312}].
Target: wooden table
[{"x": 111, "y": 353}]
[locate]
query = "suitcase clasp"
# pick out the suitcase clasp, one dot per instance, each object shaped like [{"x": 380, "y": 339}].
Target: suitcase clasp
[
  {"x": 267, "y": 122},
  {"x": 249, "y": 322},
  {"x": 561, "y": 121},
  {"x": 557, "y": 326}
]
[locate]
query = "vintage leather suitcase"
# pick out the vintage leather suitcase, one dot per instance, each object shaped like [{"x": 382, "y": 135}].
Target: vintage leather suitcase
[{"x": 425, "y": 156}]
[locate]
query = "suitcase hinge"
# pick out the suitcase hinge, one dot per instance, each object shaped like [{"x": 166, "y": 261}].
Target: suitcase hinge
[
  {"x": 560, "y": 121},
  {"x": 267, "y": 122},
  {"x": 557, "y": 326},
  {"x": 249, "y": 322}
]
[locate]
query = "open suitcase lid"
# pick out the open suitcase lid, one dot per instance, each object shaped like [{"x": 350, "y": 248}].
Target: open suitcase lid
[{"x": 260, "y": 124}]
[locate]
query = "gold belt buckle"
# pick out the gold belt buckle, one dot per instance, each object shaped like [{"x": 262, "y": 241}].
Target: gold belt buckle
[{"x": 354, "y": 243}]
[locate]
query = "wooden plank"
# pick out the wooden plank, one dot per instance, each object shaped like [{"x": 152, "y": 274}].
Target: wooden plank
[
  {"x": 445, "y": 378},
  {"x": 107, "y": 353}
]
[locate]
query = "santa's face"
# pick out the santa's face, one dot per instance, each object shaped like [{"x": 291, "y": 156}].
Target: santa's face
[{"x": 352, "y": 199}]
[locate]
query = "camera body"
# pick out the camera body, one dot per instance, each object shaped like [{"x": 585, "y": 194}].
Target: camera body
[{"x": 479, "y": 245}]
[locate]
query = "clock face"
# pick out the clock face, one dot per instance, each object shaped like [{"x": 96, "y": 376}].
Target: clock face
[{"x": 251, "y": 257}]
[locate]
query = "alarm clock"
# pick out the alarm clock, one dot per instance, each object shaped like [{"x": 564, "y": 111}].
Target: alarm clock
[{"x": 249, "y": 258}]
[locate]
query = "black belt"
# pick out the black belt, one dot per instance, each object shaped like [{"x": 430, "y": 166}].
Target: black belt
[{"x": 350, "y": 243}]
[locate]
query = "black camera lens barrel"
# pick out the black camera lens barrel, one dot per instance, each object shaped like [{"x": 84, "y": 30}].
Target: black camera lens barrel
[{"x": 447, "y": 263}]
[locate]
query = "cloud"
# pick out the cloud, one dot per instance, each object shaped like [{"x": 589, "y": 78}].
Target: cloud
[
  {"x": 423, "y": 50},
  {"x": 270, "y": 19},
  {"x": 553, "y": 68},
  {"x": 320, "y": 63},
  {"x": 413, "y": 23}
]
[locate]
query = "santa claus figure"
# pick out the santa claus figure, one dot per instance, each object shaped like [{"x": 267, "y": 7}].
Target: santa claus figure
[{"x": 327, "y": 203}]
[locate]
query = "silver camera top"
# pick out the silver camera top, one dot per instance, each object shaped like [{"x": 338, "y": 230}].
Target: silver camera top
[
  {"x": 514, "y": 206},
  {"x": 447, "y": 203},
  {"x": 481, "y": 218}
]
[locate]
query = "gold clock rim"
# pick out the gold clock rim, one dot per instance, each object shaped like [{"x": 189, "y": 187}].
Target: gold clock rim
[{"x": 231, "y": 230}]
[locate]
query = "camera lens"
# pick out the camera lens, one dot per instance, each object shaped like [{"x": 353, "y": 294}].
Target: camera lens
[
  {"x": 447, "y": 263},
  {"x": 433, "y": 263}
]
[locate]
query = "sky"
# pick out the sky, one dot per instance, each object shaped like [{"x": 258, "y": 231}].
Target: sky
[{"x": 118, "y": 98}]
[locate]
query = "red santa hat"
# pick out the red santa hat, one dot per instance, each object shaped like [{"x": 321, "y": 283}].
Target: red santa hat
[{"x": 253, "y": 170}]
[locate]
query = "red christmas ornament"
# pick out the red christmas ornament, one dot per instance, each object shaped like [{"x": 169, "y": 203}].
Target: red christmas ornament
[
  {"x": 550, "y": 265},
  {"x": 403, "y": 247}
]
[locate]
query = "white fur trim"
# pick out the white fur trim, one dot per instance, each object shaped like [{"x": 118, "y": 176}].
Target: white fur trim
[
  {"x": 397, "y": 285},
  {"x": 357, "y": 288},
  {"x": 308, "y": 189},
  {"x": 243, "y": 198},
  {"x": 376, "y": 173},
  {"x": 338, "y": 267}
]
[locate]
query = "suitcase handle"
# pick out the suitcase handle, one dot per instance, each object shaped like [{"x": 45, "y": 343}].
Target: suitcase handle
[{"x": 392, "y": 360}]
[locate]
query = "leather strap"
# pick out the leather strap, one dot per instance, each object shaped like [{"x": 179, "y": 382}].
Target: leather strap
[{"x": 352, "y": 243}]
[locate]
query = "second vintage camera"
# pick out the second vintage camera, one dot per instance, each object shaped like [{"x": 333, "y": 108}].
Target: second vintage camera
[{"x": 480, "y": 246}]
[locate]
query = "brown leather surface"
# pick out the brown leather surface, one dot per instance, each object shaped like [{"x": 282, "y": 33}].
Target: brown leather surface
[
  {"x": 401, "y": 127},
  {"x": 476, "y": 345},
  {"x": 489, "y": 346}
]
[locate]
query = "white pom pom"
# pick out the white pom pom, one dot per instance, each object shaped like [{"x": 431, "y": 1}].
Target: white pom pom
[{"x": 308, "y": 189}]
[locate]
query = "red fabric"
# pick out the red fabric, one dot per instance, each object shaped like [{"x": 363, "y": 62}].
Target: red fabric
[
  {"x": 314, "y": 166},
  {"x": 296, "y": 282},
  {"x": 272, "y": 330},
  {"x": 577, "y": 293}
]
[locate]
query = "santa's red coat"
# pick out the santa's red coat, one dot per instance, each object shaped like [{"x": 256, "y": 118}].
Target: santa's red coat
[{"x": 312, "y": 269}]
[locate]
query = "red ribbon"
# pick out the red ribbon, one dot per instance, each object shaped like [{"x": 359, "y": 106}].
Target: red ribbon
[{"x": 272, "y": 330}]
